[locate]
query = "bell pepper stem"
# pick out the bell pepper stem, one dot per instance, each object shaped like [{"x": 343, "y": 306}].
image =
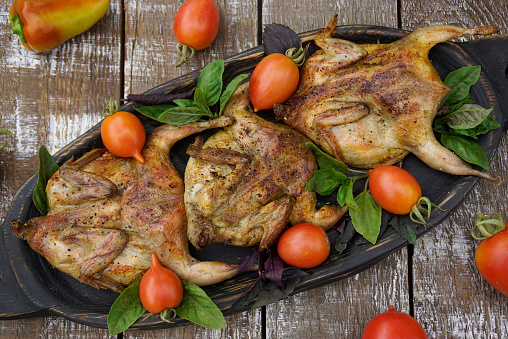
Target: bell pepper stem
[{"x": 17, "y": 27}]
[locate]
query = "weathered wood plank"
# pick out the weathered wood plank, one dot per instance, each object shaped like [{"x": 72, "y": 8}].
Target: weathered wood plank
[
  {"x": 51, "y": 98},
  {"x": 150, "y": 55},
  {"x": 342, "y": 309},
  {"x": 451, "y": 299}
]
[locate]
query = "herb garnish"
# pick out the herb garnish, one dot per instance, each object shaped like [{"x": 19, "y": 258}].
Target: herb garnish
[
  {"x": 207, "y": 94},
  {"x": 365, "y": 213},
  {"x": 463, "y": 119},
  {"x": 366, "y": 216},
  {"x": 274, "y": 280},
  {"x": 196, "y": 307},
  {"x": 126, "y": 309},
  {"x": 47, "y": 167},
  {"x": 282, "y": 39}
]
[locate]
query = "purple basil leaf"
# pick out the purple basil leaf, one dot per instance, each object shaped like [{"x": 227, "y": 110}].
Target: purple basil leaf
[
  {"x": 247, "y": 297},
  {"x": 270, "y": 293},
  {"x": 404, "y": 227},
  {"x": 273, "y": 268},
  {"x": 249, "y": 261},
  {"x": 278, "y": 39},
  {"x": 290, "y": 285},
  {"x": 386, "y": 217},
  {"x": 343, "y": 239},
  {"x": 196, "y": 75},
  {"x": 158, "y": 99},
  {"x": 293, "y": 272},
  {"x": 341, "y": 225}
]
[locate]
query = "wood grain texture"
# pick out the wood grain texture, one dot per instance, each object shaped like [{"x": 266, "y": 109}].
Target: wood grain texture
[
  {"x": 151, "y": 49},
  {"x": 341, "y": 309},
  {"x": 450, "y": 297},
  {"x": 51, "y": 98}
]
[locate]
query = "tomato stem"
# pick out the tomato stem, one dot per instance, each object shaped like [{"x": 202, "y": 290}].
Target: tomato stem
[
  {"x": 168, "y": 315},
  {"x": 297, "y": 55},
  {"x": 112, "y": 106},
  {"x": 416, "y": 212},
  {"x": 185, "y": 53},
  {"x": 487, "y": 226}
]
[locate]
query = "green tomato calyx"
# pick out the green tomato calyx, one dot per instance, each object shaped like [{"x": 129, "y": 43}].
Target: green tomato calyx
[
  {"x": 487, "y": 226},
  {"x": 185, "y": 53}
]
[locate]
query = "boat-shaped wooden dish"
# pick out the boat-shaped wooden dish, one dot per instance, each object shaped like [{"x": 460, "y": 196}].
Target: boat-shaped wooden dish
[{"x": 29, "y": 286}]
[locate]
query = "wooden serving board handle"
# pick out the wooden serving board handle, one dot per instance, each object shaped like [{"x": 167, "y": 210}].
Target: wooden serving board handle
[
  {"x": 492, "y": 54},
  {"x": 14, "y": 303}
]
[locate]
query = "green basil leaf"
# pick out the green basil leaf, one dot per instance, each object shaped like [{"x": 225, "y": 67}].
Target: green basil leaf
[
  {"x": 181, "y": 115},
  {"x": 126, "y": 309},
  {"x": 197, "y": 307},
  {"x": 367, "y": 218},
  {"x": 488, "y": 124},
  {"x": 184, "y": 102},
  {"x": 468, "y": 150},
  {"x": 458, "y": 105},
  {"x": 47, "y": 167},
  {"x": 349, "y": 197},
  {"x": 470, "y": 132},
  {"x": 201, "y": 101},
  {"x": 468, "y": 116},
  {"x": 342, "y": 195},
  {"x": 325, "y": 181},
  {"x": 210, "y": 81},
  {"x": 230, "y": 89},
  {"x": 460, "y": 82},
  {"x": 153, "y": 112},
  {"x": 326, "y": 161}
]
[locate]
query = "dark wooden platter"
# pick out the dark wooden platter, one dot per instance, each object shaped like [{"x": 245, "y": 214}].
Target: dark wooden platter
[{"x": 30, "y": 287}]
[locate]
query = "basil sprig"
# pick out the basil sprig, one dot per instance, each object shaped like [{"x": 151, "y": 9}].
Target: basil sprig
[
  {"x": 365, "y": 213},
  {"x": 207, "y": 94},
  {"x": 464, "y": 120},
  {"x": 196, "y": 307},
  {"x": 47, "y": 167}
]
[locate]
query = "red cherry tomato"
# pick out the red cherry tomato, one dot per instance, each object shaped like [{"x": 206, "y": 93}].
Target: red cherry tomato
[
  {"x": 273, "y": 80},
  {"x": 123, "y": 135},
  {"x": 304, "y": 246},
  {"x": 393, "y": 324},
  {"x": 196, "y": 23},
  {"x": 492, "y": 260},
  {"x": 394, "y": 189},
  {"x": 160, "y": 288}
]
